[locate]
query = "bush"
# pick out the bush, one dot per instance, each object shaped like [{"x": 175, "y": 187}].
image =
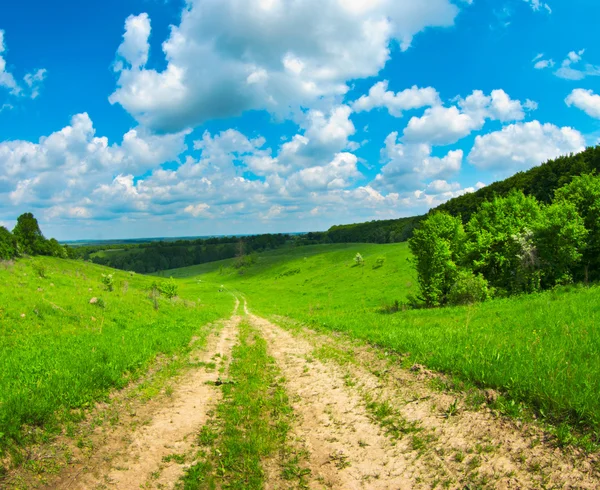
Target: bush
[
  {"x": 468, "y": 289},
  {"x": 358, "y": 259},
  {"x": 168, "y": 288},
  {"x": 379, "y": 261},
  {"x": 40, "y": 269},
  {"x": 107, "y": 280}
]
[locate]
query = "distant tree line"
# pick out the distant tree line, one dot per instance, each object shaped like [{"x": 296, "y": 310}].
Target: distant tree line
[
  {"x": 510, "y": 245},
  {"x": 157, "y": 256}
]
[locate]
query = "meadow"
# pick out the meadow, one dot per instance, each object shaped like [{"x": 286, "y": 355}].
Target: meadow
[
  {"x": 541, "y": 349},
  {"x": 61, "y": 350}
]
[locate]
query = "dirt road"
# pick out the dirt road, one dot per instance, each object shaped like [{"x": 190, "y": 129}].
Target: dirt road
[{"x": 361, "y": 420}]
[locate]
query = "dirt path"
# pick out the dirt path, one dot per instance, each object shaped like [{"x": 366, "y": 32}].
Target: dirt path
[
  {"x": 368, "y": 423},
  {"x": 153, "y": 453}
]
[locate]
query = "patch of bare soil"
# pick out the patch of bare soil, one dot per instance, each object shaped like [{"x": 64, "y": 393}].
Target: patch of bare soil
[
  {"x": 153, "y": 442},
  {"x": 458, "y": 445}
]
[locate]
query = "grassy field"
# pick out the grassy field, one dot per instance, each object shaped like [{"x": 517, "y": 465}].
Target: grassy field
[
  {"x": 59, "y": 352},
  {"x": 542, "y": 349}
]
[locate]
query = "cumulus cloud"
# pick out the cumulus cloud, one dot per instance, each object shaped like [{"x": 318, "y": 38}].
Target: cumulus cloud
[
  {"x": 412, "y": 98},
  {"x": 33, "y": 81},
  {"x": 586, "y": 100},
  {"x": 521, "y": 146},
  {"x": 63, "y": 169},
  {"x": 228, "y": 56},
  {"x": 408, "y": 166},
  {"x": 446, "y": 125}
]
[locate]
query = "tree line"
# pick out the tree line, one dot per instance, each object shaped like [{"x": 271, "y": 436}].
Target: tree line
[{"x": 510, "y": 245}]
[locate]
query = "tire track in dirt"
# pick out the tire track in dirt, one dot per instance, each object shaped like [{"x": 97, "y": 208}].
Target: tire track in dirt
[
  {"x": 347, "y": 450},
  {"x": 131, "y": 458},
  {"x": 463, "y": 446}
]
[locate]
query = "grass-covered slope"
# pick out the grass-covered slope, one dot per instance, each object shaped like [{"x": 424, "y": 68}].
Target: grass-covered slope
[
  {"x": 543, "y": 348},
  {"x": 59, "y": 352}
]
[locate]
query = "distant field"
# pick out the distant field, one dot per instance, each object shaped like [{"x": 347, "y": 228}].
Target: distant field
[
  {"x": 58, "y": 352},
  {"x": 543, "y": 349}
]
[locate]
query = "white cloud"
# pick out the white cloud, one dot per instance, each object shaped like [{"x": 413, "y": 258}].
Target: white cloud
[
  {"x": 134, "y": 49},
  {"x": 412, "y": 98},
  {"x": 446, "y": 125},
  {"x": 63, "y": 169},
  {"x": 228, "y": 56},
  {"x": 196, "y": 210},
  {"x": 570, "y": 68},
  {"x": 538, "y": 5},
  {"x": 521, "y": 146},
  {"x": 586, "y": 100},
  {"x": 32, "y": 80},
  {"x": 408, "y": 166}
]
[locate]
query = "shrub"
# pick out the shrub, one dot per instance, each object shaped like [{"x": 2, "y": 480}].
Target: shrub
[
  {"x": 168, "y": 288},
  {"x": 40, "y": 269},
  {"x": 107, "y": 280},
  {"x": 468, "y": 289},
  {"x": 379, "y": 261},
  {"x": 358, "y": 259}
]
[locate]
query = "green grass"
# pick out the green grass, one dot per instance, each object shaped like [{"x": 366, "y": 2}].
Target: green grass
[
  {"x": 541, "y": 349},
  {"x": 252, "y": 424},
  {"x": 59, "y": 353}
]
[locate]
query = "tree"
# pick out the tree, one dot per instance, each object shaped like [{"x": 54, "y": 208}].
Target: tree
[
  {"x": 437, "y": 247},
  {"x": 559, "y": 237},
  {"x": 495, "y": 241},
  {"x": 8, "y": 245},
  {"x": 584, "y": 193},
  {"x": 29, "y": 236}
]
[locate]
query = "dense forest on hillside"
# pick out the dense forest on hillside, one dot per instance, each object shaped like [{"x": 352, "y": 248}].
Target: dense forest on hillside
[{"x": 540, "y": 182}]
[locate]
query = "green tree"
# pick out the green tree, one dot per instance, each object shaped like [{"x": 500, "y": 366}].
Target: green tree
[
  {"x": 584, "y": 193},
  {"x": 559, "y": 237},
  {"x": 29, "y": 236},
  {"x": 8, "y": 245},
  {"x": 496, "y": 235},
  {"x": 437, "y": 247}
]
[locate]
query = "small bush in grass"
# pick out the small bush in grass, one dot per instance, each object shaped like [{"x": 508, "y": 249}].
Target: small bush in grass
[
  {"x": 108, "y": 281},
  {"x": 468, "y": 289},
  {"x": 168, "y": 288},
  {"x": 379, "y": 261},
  {"x": 40, "y": 269},
  {"x": 358, "y": 259}
]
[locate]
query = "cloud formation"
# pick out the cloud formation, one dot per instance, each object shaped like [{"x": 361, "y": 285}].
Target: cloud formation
[{"x": 229, "y": 56}]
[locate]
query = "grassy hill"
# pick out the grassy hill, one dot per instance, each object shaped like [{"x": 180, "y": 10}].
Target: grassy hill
[
  {"x": 542, "y": 349},
  {"x": 66, "y": 340}
]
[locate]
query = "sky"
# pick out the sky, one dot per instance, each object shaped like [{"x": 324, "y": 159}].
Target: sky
[{"x": 146, "y": 118}]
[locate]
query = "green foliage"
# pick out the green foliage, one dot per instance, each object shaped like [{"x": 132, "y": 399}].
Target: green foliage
[
  {"x": 28, "y": 235},
  {"x": 358, "y": 259},
  {"x": 495, "y": 241},
  {"x": 108, "y": 281},
  {"x": 8, "y": 244},
  {"x": 379, "y": 261},
  {"x": 584, "y": 193},
  {"x": 168, "y": 288},
  {"x": 560, "y": 235},
  {"x": 437, "y": 246},
  {"x": 468, "y": 289},
  {"x": 40, "y": 269}
]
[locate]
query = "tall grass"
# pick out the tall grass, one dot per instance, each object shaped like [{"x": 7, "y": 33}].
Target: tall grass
[{"x": 59, "y": 353}]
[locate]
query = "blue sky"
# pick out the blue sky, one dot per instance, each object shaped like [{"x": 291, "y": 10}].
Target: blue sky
[{"x": 168, "y": 118}]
